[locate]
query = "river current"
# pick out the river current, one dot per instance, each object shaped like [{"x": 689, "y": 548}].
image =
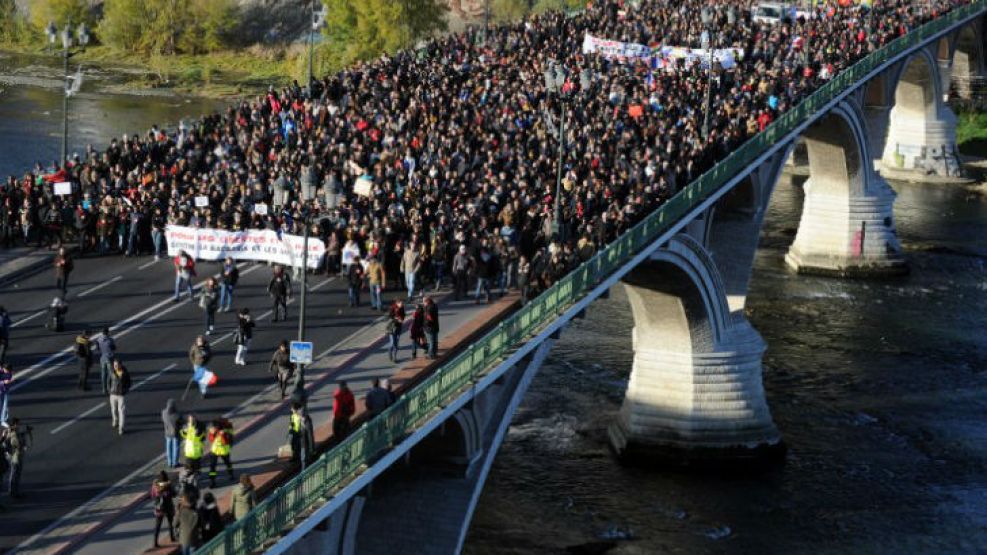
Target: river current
[{"x": 878, "y": 388}]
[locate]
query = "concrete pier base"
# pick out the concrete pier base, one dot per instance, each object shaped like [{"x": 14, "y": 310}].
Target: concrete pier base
[
  {"x": 847, "y": 236},
  {"x": 695, "y": 396}
]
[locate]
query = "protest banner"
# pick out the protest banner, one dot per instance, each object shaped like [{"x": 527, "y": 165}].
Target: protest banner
[
  {"x": 252, "y": 244},
  {"x": 261, "y": 209},
  {"x": 63, "y": 188},
  {"x": 363, "y": 186}
]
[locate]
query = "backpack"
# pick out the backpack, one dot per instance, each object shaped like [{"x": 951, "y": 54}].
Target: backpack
[{"x": 393, "y": 326}]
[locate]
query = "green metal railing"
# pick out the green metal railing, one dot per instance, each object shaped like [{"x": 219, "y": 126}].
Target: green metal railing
[{"x": 317, "y": 483}]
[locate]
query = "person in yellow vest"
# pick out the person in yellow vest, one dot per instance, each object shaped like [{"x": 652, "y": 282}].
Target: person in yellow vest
[
  {"x": 300, "y": 434},
  {"x": 220, "y": 443},
  {"x": 192, "y": 443}
]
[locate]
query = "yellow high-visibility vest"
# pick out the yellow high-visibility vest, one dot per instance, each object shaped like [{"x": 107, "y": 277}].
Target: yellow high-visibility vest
[
  {"x": 193, "y": 442},
  {"x": 220, "y": 447},
  {"x": 296, "y": 423}
]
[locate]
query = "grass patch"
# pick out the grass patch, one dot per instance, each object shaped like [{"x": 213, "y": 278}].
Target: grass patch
[{"x": 971, "y": 132}]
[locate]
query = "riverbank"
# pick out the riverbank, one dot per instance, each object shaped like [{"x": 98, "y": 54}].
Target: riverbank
[{"x": 219, "y": 75}]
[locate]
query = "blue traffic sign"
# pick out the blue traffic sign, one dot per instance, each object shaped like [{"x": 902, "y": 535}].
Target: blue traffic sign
[{"x": 301, "y": 352}]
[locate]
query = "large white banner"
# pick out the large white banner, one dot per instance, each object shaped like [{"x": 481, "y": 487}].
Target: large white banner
[
  {"x": 661, "y": 57},
  {"x": 613, "y": 48},
  {"x": 253, "y": 244}
]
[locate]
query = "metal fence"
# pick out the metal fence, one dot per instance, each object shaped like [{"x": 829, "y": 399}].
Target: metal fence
[{"x": 316, "y": 484}]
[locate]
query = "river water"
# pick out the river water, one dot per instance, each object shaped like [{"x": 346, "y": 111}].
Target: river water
[
  {"x": 31, "y": 111},
  {"x": 878, "y": 388}
]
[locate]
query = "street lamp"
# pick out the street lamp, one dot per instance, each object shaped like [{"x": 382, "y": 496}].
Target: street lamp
[
  {"x": 554, "y": 83},
  {"x": 318, "y": 18},
  {"x": 71, "y": 84},
  {"x": 307, "y": 191},
  {"x": 707, "y": 17}
]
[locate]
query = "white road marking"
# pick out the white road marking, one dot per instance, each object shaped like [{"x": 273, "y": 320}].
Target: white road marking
[
  {"x": 86, "y": 507},
  {"x": 26, "y": 318},
  {"x": 78, "y": 418},
  {"x": 103, "y": 404},
  {"x": 100, "y": 286},
  {"x": 153, "y": 376},
  {"x": 148, "y": 264},
  {"x": 123, "y": 324}
]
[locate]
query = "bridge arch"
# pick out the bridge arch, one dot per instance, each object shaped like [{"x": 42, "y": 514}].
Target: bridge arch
[
  {"x": 695, "y": 393},
  {"x": 967, "y": 66},
  {"x": 921, "y": 132}
]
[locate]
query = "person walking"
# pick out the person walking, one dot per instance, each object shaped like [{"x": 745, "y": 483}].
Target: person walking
[
  {"x": 163, "y": 498},
  {"x": 107, "y": 348},
  {"x": 15, "y": 444},
  {"x": 63, "y": 267},
  {"x": 6, "y": 385},
  {"x": 210, "y": 521},
  {"x": 184, "y": 272},
  {"x": 220, "y": 437},
  {"x": 375, "y": 280},
  {"x": 84, "y": 354},
  {"x": 343, "y": 408},
  {"x": 279, "y": 289},
  {"x": 188, "y": 481},
  {"x": 395, "y": 320},
  {"x": 158, "y": 223},
  {"x": 56, "y": 314},
  {"x": 244, "y": 497},
  {"x": 209, "y": 303},
  {"x": 486, "y": 271},
  {"x": 192, "y": 441},
  {"x": 417, "y": 330},
  {"x": 119, "y": 387},
  {"x": 244, "y": 334},
  {"x": 171, "y": 421},
  {"x": 411, "y": 262},
  {"x": 432, "y": 327},
  {"x": 227, "y": 283},
  {"x": 199, "y": 355},
  {"x": 5, "y": 325},
  {"x": 462, "y": 263},
  {"x": 189, "y": 531},
  {"x": 354, "y": 278},
  {"x": 377, "y": 399},
  {"x": 282, "y": 367},
  {"x": 300, "y": 434}
]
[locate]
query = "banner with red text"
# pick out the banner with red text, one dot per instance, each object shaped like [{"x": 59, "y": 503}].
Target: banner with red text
[{"x": 253, "y": 244}]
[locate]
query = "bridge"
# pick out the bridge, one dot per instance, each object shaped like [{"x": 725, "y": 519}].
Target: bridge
[{"x": 409, "y": 480}]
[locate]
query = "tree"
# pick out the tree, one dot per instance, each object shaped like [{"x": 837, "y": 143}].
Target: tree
[
  {"x": 168, "y": 26},
  {"x": 61, "y": 12},
  {"x": 510, "y": 10},
  {"x": 364, "y": 29}
]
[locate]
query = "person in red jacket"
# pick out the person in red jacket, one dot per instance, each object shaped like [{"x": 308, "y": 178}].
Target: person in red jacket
[
  {"x": 184, "y": 272},
  {"x": 343, "y": 407}
]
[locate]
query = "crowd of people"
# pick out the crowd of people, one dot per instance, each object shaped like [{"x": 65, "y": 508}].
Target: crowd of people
[
  {"x": 439, "y": 166},
  {"x": 456, "y": 144}
]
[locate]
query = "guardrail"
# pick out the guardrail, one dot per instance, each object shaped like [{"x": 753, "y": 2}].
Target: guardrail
[{"x": 336, "y": 467}]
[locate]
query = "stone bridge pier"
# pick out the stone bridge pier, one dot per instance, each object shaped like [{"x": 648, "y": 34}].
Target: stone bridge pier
[
  {"x": 695, "y": 395},
  {"x": 921, "y": 128},
  {"x": 847, "y": 226},
  {"x": 424, "y": 502},
  {"x": 962, "y": 63}
]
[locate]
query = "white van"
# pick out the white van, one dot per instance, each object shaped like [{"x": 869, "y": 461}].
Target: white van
[{"x": 776, "y": 12}]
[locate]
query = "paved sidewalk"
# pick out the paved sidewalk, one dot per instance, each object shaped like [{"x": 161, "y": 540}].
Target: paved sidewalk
[
  {"x": 23, "y": 260},
  {"x": 261, "y": 424}
]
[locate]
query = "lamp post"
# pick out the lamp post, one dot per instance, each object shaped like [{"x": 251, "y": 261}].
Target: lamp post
[
  {"x": 318, "y": 18},
  {"x": 307, "y": 193},
  {"x": 707, "y": 17},
  {"x": 554, "y": 82},
  {"x": 71, "y": 84}
]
